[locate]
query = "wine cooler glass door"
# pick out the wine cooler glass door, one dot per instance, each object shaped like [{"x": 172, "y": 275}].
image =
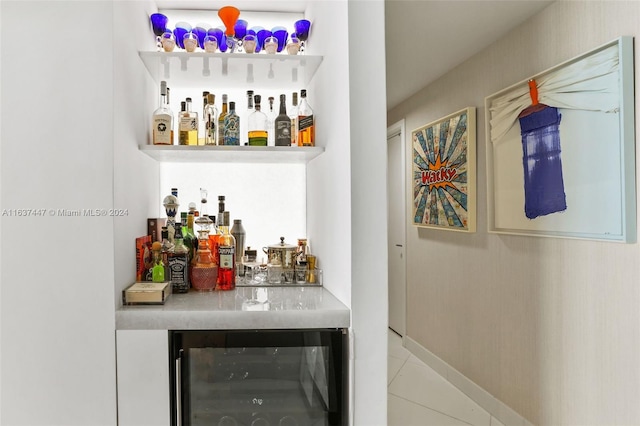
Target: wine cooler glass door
[{"x": 259, "y": 378}]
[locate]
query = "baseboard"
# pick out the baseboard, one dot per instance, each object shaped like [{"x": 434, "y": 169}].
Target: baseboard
[{"x": 494, "y": 406}]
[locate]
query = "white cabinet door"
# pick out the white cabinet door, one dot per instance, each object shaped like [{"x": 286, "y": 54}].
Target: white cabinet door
[{"x": 143, "y": 377}]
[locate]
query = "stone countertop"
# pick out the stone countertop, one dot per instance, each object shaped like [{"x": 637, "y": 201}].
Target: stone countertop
[{"x": 242, "y": 308}]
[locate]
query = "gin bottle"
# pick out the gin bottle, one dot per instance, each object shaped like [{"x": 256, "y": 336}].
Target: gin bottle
[{"x": 232, "y": 126}]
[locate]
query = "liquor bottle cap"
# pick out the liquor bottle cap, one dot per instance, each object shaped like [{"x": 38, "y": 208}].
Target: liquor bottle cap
[
  {"x": 224, "y": 98},
  {"x": 283, "y": 98},
  {"x": 232, "y": 105},
  {"x": 188, "y": 99},
  {"x": 257, "y": 99},
  {"x": 303, "y": 93},
  {"x": 249, "y": 92},
  {"x": 205, "y": 94},
  {"x": 211, "y": 98}
]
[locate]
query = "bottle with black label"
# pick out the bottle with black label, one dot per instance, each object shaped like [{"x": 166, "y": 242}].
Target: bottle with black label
[
  {"x": 306, "y": 123},
  {"x": 283, "y": 125},
  {"x": 178, "y": 263}
]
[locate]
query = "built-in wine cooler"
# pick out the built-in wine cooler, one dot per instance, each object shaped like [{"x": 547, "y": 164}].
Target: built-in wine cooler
[{"x": 259, "y": 378}]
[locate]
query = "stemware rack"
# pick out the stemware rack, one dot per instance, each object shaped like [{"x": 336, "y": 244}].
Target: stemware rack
[{"x": 194, "y": 69}]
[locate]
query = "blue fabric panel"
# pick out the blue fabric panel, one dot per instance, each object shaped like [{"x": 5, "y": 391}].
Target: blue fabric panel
[{"x": 543, "y": 182}]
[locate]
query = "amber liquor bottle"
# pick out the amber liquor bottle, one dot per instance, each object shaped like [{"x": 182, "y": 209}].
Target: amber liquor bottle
[
  {"x": 226, "y": 257},
  {"x": 306, "y": 122}
]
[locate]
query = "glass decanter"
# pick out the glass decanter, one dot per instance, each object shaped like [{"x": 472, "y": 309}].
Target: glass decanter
[{"x": 204, "y": 270}]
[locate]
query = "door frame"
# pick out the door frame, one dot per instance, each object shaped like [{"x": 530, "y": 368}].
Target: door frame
[{"x": 393, "y": 130}]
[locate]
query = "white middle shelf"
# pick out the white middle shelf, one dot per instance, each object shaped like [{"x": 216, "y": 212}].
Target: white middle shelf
[
  {"x": 231, "y": 154},
  {"x": 198, "y": 69}
]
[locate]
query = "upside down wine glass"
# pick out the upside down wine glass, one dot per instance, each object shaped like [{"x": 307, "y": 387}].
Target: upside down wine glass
[{"x": 302, "y": 31}]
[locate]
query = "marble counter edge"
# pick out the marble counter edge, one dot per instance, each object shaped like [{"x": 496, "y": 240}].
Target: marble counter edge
[{"x": 194, "y": 311}]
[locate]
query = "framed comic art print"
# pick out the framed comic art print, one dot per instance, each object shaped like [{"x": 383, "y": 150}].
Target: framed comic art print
[{"x": 444, "y": 173}]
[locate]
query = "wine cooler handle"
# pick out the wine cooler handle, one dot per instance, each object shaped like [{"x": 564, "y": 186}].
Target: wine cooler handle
[{"x": 179, "y": 388}]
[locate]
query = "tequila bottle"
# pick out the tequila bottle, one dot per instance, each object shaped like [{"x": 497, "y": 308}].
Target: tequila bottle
[
  {"x": 163, "y": 119},
  {"x": 257, "y": 124},
  {"x": 211, "y": 121}
]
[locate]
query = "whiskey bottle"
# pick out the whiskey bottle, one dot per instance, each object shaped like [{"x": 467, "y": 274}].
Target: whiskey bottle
[
  {"x": 178, "y": 264},
  {"x": 293, "y": 115},
  {"x": 188, "y": 125},
  {"x": 306, "y": 123},
  {"x": 221, "y": 118},
  {"x": 283, "y": 125},
  {"x": 257, "y": 125},
  {"x": 163, "y": 119},
  {"x": 202, "y": 131},
  {"x": 226, "y": 257},
  {"x": 211, "y": 121},
  {"x": 232, "y": 126}
]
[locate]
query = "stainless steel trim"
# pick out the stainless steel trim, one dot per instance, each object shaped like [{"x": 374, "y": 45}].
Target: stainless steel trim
[{"x": 179, "y": 388}]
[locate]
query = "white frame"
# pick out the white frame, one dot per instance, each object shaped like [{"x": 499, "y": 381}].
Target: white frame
[{"x": 627, "y": 184}]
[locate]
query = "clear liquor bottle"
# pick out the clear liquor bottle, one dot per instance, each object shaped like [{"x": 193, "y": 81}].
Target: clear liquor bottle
[
  {"x": 202, "y": 130},
  {"x": 173, "y": 125},
  {"x": 232, "y": 126},
  {"x": 221, "y": 118},
  {"x": 283, "y": 124},
  {"x": 163, "y": 119},
  {"x": 293, "y": 115},
  {"x": 257, "y": 125},
  {"x": 226, "y": 257},
  {"x": 211, "y": 121},
  {"x": 306, "y": 122},
  {"x": 188, "y": 125},
  {"x": 247, "y": 114},
  {"x": 271, "y": 118}
]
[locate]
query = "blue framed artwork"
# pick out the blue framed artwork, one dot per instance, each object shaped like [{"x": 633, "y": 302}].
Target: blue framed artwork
[
  {"x": 443, "y": 173},
  {"x": 561, "y": 150}
]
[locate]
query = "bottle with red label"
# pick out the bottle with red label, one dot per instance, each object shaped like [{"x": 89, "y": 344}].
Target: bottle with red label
[{"x": 226, "y": 256}]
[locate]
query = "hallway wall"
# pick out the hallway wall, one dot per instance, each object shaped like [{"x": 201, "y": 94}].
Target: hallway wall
[{"x": 549, "y": 326}]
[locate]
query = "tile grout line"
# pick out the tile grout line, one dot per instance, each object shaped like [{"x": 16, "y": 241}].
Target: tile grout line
[{"x": 430, "y": 409}]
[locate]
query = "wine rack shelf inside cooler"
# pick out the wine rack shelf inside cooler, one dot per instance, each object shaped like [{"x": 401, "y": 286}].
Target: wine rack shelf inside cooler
[
  {"x": 196, "y": 69},
  {"x": 231, "y": 154}
]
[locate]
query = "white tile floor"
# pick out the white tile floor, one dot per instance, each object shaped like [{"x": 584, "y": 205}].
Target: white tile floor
[{"x": 418, "y": 396}]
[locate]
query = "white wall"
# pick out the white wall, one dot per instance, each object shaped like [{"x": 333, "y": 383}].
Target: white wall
[
  {"x": 549, "y": 326},
  {"x": 57, "y": 313}
]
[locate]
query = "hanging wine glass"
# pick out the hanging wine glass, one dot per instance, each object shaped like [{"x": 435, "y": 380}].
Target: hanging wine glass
[
  {"x": 281, "y": 34},
  {"x": 181, "y": 29},
  {"x": 302, "y": 31},
  {"x": 240, "y": 31},
  {"x": 159, "y": 26}
]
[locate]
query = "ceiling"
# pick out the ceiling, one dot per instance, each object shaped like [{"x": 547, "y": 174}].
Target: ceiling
[{"x": 426, "y": 38}]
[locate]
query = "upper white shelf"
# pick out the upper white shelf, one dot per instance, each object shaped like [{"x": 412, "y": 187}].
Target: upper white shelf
[
  {"x": 197, "y": 69},
  {"x": 231, "y": 154}
]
